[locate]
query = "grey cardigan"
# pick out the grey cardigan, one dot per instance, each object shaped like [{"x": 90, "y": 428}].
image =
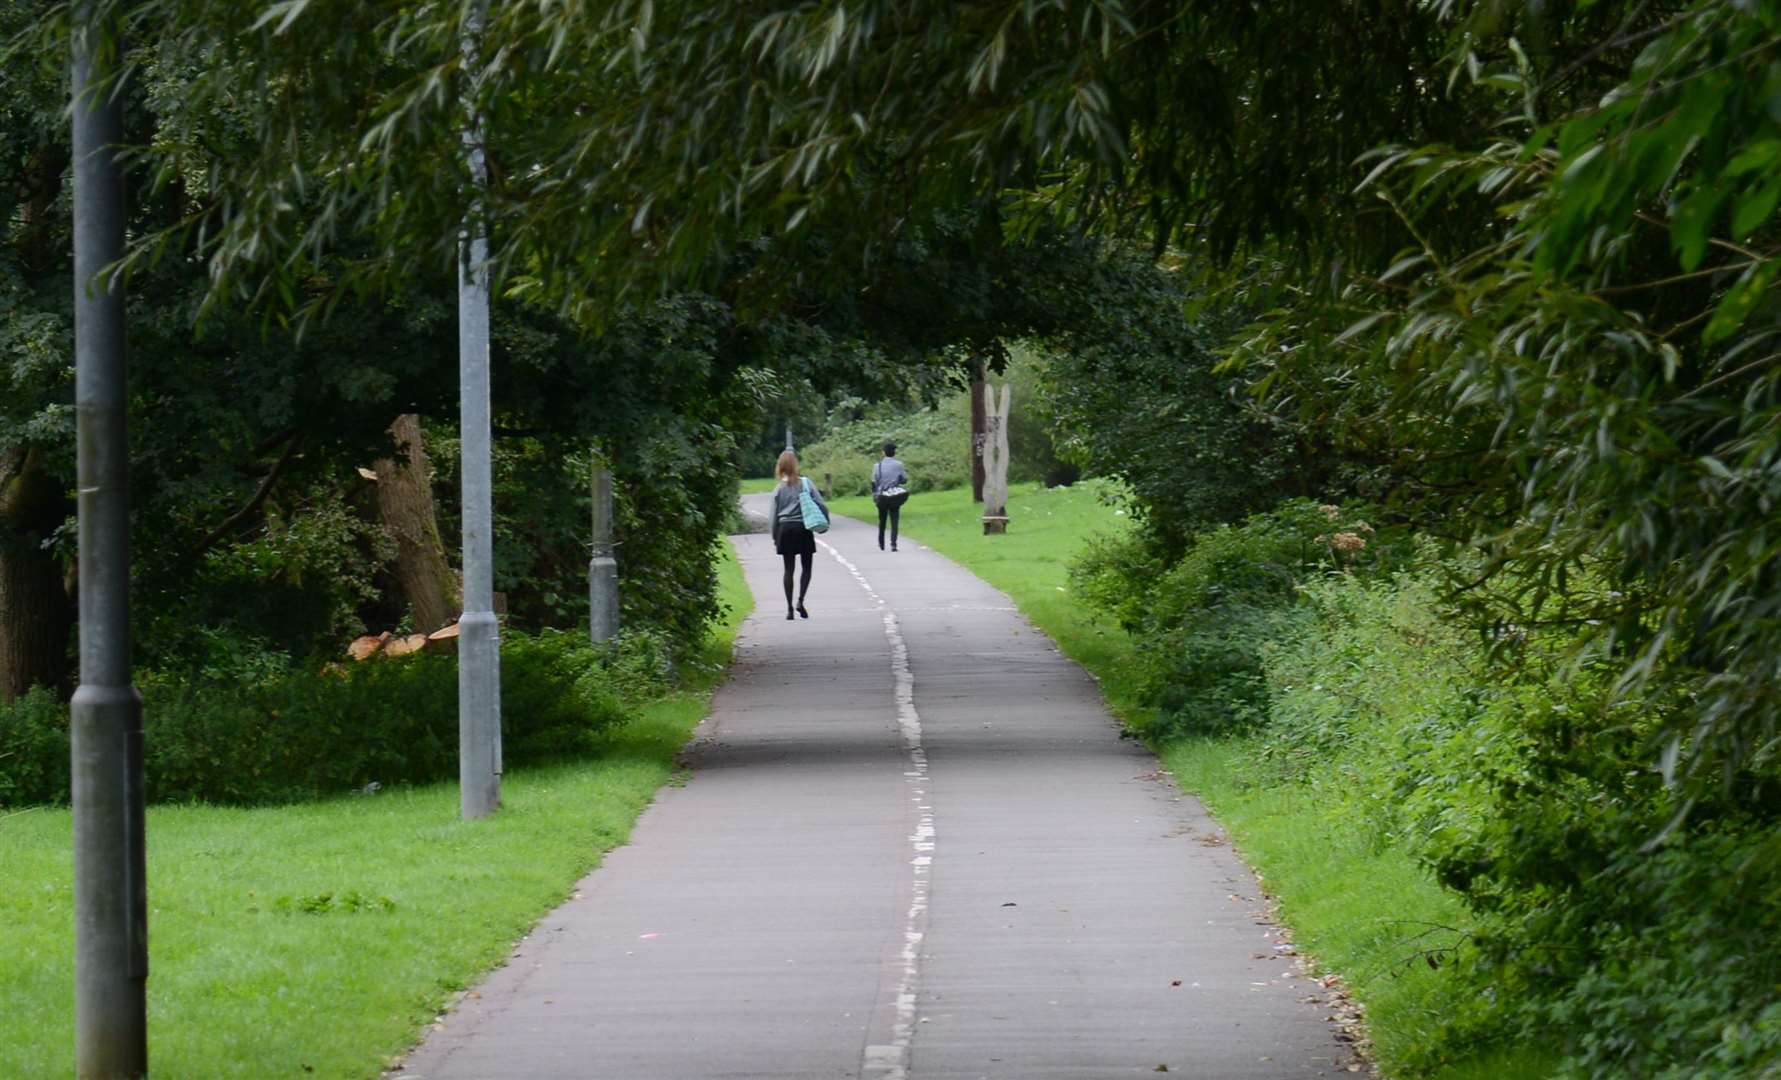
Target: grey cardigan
[
  {"x": 889, "y": 472},
  {"x": 786, "y": 507}
]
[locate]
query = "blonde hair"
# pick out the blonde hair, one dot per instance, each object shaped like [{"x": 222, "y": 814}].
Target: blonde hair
[{"x": 787, "y": 469}]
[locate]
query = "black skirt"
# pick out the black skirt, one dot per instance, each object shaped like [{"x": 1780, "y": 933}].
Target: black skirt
[{"x": 795, "y": 539}]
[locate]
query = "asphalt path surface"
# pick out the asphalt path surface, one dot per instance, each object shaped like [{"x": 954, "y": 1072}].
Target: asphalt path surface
[{"x": 911, "y": 844}]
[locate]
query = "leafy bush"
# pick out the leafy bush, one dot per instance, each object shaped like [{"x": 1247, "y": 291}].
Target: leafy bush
[
  {"x": 293, "y": 735},
  {"x": 1143, "y": 403},
  {"x": 933, "y": 443},
  {"x": 674, "y": 490},
  {"x": 1650, "y": 952},
  {"x": 1033, "y": 454},
  {"x": 293, "y": 586},
  {"x": 559, "y": 693},
  {"x": 1202, "y": 623},
  {"x": 1521, "y": 780},
  {"x": 674, "y": 494},
  {"x": 33, "y": 749},
  {"x": 1360, "y": 692}
]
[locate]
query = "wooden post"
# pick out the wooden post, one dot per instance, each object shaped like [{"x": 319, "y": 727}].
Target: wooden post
[{"x": 995, "y": 463}]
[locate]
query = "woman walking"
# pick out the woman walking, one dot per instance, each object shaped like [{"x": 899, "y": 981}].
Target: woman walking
[
  {"x": 890, "y": 488},
  {"x": 790, "y": 538}
]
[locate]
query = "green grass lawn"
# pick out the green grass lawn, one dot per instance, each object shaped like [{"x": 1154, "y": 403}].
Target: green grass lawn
[
  {"x": 1046, "y": 528},
  {"x": 317, "y": 939},
  {"x": 1366, "y": 912},
  {"x": 1357, "y": 910}
]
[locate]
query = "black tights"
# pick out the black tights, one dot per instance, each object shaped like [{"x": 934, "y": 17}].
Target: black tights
[
  {"x": 893, "y": 511},
  {"x": 803, "y": 586}
]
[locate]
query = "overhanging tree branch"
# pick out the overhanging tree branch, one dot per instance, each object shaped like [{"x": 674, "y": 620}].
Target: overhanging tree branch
[{"x": 253, "y": 504}]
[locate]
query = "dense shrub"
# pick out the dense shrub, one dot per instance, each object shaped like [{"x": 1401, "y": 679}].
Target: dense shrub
[
  {"x": 1523, "y": 783},
  {"x": 1033, "y": 431},
  {"x": 933, "y": 443},
  {"x": 33, "y": 749},
  {"x": 1146, "y": 405},
  {"x": 295, "y": 587},
  {"x": 674, "y": 489},
  {"x": 298, "y": 734},
  {"x": 1637, "y": 942},
  {"x": 1361, "y": 690},
  {"x": 1201, "y": 623},
  {"x": 1650, "y": 952}
]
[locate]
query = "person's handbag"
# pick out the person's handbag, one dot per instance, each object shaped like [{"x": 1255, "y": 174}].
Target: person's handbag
[{"x": 814, "y": 519}]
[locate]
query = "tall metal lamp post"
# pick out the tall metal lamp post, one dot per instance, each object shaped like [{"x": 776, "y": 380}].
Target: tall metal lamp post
[
  {"x": 110, "y": 890},
  {"x": 479, "y": 643}
]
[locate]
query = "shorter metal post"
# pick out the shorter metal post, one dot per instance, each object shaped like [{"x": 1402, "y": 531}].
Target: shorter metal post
[
  {"x": 602, "y": 568},
  {"x": 788, "y": 435}
]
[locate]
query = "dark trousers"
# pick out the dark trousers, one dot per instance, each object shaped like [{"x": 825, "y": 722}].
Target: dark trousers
[{"x": 892, "y": 509}]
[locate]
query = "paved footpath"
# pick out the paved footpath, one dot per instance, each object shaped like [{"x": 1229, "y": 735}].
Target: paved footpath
[{"x": 912, "y": 845}]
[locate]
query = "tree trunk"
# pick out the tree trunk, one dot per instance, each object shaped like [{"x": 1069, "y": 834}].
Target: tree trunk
[
  {"x": 995, "y": 447},
  {"x": 405, "y": 508},
  {"x": 978, "y": 429},
  {"x": 35, "y": 611}
]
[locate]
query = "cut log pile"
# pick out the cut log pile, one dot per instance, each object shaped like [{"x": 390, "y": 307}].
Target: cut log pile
[{"x": 444, "y": 639}]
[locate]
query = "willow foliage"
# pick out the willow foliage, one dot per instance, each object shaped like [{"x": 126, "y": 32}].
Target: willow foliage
[
  {"x": 1569, "y": 360},
  {"x": 1584, "y": 379},
  {"x": 634, "y": 142}
]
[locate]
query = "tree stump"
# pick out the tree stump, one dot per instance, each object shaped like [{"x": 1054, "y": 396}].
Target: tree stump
[
  {"x": 995, "y": 460},
  {"x": 405, "y": 508}
]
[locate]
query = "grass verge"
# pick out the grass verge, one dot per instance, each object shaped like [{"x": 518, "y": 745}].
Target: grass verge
[
  {"x": 1030, "y": 562},
  {"x": 316, "y": 939},
  {"x": 1365, "y": 911},
  {"x": 1359, "y": 910}
]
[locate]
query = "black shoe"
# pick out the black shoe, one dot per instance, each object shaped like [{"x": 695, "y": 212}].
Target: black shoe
[
  {"x": 801, "y": 610},
  {"x": 789, "y": 616},
  {"x": 893, "y": 547},
  {"x": 881, "y": 545}
]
